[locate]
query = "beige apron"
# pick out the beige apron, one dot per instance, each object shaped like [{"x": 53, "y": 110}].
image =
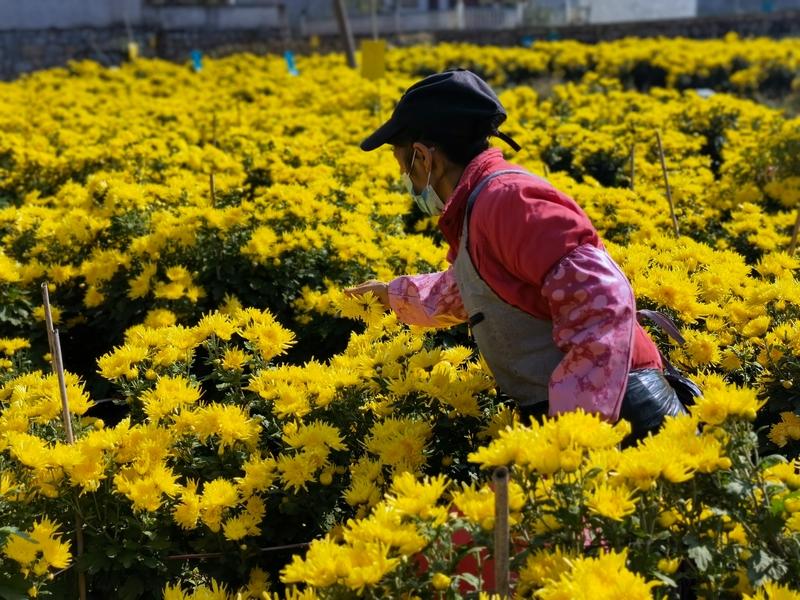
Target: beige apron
[{"x": 518, "y": 347}]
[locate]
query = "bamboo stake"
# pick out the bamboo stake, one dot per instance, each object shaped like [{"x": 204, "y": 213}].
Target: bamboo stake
[
  {"x": 501, "y": 535},
  {"x": 379, "y": 103},
  {"x": 795, "y": 231},
  {"x": 346, "y": 32},
  {"x": 205, "y": 555},
  {"x": 212, "y": 188},
  {"x": 633, "y": 166},
  {"x": 374, "y": 16},
  {"x": 48, "y": 318},
  {"x": 57, "y": 361},
  {"x": 666, "y": 183}
]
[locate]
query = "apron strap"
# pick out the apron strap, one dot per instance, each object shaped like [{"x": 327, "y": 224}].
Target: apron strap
[{"x": 479, "y": 188}]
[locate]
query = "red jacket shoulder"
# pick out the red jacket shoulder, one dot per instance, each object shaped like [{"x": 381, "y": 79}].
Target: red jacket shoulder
[{"x": 528, "y": 225}]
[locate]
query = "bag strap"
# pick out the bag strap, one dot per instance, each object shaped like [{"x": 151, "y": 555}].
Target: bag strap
[
  {"x": 668, "y": 326},
  {"x": 479, "y": 188},
  {"x": 661, "y": 320}
]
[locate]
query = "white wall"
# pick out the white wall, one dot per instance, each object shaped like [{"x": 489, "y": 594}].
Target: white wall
[
  {"x": 65, "y": 14},
  {"x": 614, "y": 11},
  {"x": 215, "y": 17},
  {"x": 480, "y": 18},
  {"x": 42, "y": 14}
]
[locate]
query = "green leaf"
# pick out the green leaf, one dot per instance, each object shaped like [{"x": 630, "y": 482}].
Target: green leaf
[
  {"x": 591, "y": 473},
  {"x": 471, "y": 580},
  {"x": 5, "y": 532},
  {"x": 132, "y": 588},
  {"x": 669, "y": 581},
  {"x": 771, "y": 461},
  {"x": 7, "y": 593},
  {"x": 737, "y": 487},
  {"x": 776, "y": 506},
  {"x": 763, "y": 566},
  {"x": 14, "y": 587},
  {"x": 701, "y": 556},
  {"x": 127, "y": 558}
]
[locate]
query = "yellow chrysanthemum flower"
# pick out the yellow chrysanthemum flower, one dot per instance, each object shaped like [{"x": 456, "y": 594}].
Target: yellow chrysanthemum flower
[
  {"x": 40, "y": 550},
  {"x": 605, "y": 577}
]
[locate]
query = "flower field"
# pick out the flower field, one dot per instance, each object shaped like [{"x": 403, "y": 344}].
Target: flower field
[{"x": 243, "y": 430}]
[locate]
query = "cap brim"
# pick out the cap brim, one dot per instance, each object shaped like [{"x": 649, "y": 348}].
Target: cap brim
[{"x": 381, "y": 135}]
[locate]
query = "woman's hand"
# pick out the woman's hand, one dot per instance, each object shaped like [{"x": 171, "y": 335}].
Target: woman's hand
[{"x": 379, "y": 288}]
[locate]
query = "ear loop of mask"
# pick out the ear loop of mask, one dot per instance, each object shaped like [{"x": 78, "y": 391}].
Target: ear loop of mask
[
  {"x": 411, "y": 167},
  {"x": 427, "y": 200}
]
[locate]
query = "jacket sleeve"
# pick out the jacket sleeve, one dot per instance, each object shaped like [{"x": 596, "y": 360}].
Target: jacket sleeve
[
  {"x": 594, "y": 315},
  {"x": 429, "y": 300}
]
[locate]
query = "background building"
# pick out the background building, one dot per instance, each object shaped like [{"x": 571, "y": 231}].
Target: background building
[
  {"x": 728, "y": 7},
  {"x": 392, "y": 16},
  {"x": 66, "y": 14},
  {"x": 36, "y": 34},
  {"x": 397, "y": 16}
]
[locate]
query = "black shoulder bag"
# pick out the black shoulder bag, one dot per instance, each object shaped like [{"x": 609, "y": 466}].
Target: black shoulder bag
[{"x": 685, "y": 388}]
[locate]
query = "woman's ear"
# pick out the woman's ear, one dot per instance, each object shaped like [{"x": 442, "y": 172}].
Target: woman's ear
[{"x": 424, "y": 156}]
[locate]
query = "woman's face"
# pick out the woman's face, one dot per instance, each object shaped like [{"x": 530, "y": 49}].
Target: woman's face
[
  {"x": 416, "y": 160},
  {"x": 402, "y": 155}
]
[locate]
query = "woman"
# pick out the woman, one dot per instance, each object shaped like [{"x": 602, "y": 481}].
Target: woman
[{"x": 551, "y": 312}]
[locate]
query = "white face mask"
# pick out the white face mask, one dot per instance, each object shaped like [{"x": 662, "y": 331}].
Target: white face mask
[{"x": 427, "y": 200}]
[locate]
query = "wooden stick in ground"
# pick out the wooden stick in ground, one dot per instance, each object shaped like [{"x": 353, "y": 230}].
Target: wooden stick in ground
[
  {"x": 633, "y": 166},
  {"x": 380, "y": 103},
  {"x": 58, "y": 367},
  {"x": 374, "y": 19},
  {"x": 346, "y": 32},
  {"x": 62, "y": 388},
  {"x": 48, "y": 319},
  {"x": 501, "y": 534},
  {"x": 666, "y": 183},
  {"x": 795, "y": 231},
  {"x": 212, "y": 189},
  {"x": 55, "y": 361},
  {"x": 206, "y": 555}
]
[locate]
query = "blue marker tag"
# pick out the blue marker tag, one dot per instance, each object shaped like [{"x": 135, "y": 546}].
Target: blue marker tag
[
  {"x": 289, "y": 56},
  {"x": 197, "y": 60},
  {"x": 528, "y": 40},
  {"x": 767, "y": 6}
]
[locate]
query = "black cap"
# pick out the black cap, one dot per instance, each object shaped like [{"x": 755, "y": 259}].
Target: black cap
[{"x": 452, "y": 103}]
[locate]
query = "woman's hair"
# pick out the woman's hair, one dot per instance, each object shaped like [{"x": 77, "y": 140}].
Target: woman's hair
[{"x": 459, "y": 149}]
